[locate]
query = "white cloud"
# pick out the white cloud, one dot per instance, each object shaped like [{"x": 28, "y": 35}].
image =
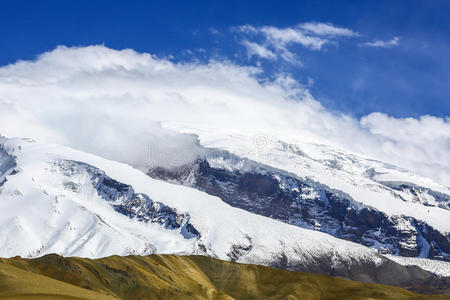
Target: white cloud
[
  {"x": 425, "y": 141},
  {"x": 282, "y": 37},
  {"x": 383, "y": 44},
  {"x": 112, "y": 103},
  {"x": 290, "y": 57},
  {"x": 258, "y": 50},
  {"x": 424, "y": 129},
  {"x": 312, "y": 35},
  {"x": 327, "y": 29}
]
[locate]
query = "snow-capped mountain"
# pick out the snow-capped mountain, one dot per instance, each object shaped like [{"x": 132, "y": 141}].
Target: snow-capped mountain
[
  {"x": 56, "y": 199},
  {"x": 320, "y": 187}
]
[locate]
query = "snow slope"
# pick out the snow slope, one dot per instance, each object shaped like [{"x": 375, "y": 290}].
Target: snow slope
[
  {"x": 438, "y": 267},
  {"x": 45, "y": 210},
  {"x": 56, "y": 199},
  {"x": 363, "y": 179}
]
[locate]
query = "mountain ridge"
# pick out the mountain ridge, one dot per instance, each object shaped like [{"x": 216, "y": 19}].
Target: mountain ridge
[{"x": 60, "y": 200}]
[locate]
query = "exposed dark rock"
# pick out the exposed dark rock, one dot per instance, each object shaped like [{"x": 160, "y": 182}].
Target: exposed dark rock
[
  {"x": 8, "y": 166},
  {"x": 386, "y": 272},
  {"x": 304, "y": 203},
  {"x": 125, "y": 201},
  {"x": 239, "y": 250},
  {"x": 420, "y": 194}
]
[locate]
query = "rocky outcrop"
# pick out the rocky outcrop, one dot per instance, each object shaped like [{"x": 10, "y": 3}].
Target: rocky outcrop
[
  {"x": 423, "y": 195},
  {"x": 125, "y": 201},
  {"x": 7, "y": 165},
  {"x": 302, "y": 202}
]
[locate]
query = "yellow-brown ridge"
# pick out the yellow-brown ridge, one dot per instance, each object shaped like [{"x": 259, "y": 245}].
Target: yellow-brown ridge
[{"x": 175, "y": 277}]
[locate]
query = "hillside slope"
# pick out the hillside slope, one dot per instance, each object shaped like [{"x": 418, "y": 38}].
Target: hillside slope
[{"x": 174, "y": 277}]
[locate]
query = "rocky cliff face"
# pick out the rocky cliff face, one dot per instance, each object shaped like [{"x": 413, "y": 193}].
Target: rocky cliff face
[{"x": 302, "y": 202}]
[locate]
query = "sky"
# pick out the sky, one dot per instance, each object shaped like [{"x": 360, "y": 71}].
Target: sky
[
  {"x": 408, "y": 78},
  {"x": 368, "y": 76}
]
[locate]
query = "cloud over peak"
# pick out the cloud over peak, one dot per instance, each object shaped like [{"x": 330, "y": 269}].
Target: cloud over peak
[{"x": 114, "y": 103}]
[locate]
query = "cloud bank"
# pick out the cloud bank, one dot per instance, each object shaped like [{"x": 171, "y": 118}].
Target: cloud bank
[{"x": 113, "y": 103}]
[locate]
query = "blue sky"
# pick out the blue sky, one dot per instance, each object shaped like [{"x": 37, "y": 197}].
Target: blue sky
[{"x": 407, "y": 77}]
